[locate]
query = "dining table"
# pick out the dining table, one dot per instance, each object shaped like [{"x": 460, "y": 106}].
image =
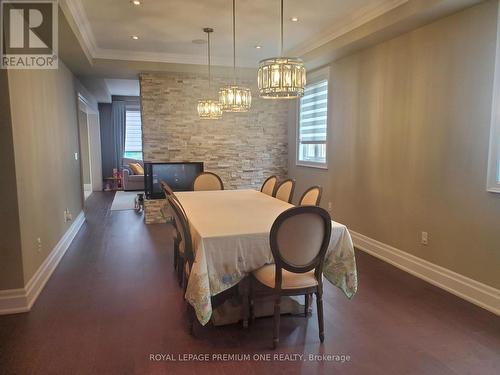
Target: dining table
[{"x": 230, "y": 234}]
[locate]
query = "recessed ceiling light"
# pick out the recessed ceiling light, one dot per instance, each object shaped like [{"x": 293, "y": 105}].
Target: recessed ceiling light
[
  {"x": 136, "y": 2},
  {"x": 135, "y": 37},
  {"x": 294, "y": 19},
  {"x": 258, "y": 47}
]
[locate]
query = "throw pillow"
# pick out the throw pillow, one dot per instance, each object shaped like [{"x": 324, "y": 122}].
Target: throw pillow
[{"x": 136, "y": 168}]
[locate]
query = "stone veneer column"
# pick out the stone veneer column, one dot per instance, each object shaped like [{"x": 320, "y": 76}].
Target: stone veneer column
[
  {"x": 242, "y": 148},
  {"x": 152, "y": 211}
]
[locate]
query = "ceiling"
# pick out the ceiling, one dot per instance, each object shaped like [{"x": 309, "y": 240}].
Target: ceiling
[
  {"x": 124, "y": 87},
  {"x": 166, "y": 29},
  {"x": 95, "y": 43}
]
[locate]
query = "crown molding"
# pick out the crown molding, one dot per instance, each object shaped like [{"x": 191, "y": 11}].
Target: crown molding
[
  {"x": 119, "y": 54},
  {"x": 164, "y": 57},
  {"x": 74, "y": 10},
  {"x": 361, "y": 17}
]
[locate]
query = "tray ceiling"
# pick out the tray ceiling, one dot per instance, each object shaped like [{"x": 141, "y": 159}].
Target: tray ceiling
[{"x": 166, "y": 29}]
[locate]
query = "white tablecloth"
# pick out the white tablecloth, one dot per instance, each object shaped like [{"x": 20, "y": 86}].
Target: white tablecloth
[{"x": 230, "y": 231}]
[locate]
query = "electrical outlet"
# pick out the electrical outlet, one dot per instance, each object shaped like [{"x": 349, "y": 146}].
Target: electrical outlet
[
  {"x": 76, "y": 155},
  {"x": 329, "y": 206},
  {"x": 67, "y": 215},
  {"x": 39, "y": 244},
  {"x": 424, "y": 238}
]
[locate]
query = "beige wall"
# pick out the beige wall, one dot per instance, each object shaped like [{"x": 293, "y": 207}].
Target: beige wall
[
  {"x": 243, "y": 148},
  {"x": 11, "y": 273},
  {"x": 45, "y": 132},
  {"x": 408, "y": 141}
]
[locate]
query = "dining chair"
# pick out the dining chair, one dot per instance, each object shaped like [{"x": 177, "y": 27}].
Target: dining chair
[
  {"x": 166, "y": 212},
  {"x": 284, "y": 191},
  {"x": 269, "y": 185},
  {"x": 185, "y": 252},
  {"x": 169, "y": 193},
  {"x": 167, "y": 190},
  {"x": 207, "y": 181},
  {"x": 299, "y": 239},
  {"x": 311, "y": 196}
]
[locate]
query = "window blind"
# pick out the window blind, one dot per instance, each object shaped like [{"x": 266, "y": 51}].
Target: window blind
[
  {"x": 133, "y": 131},
  {"x": 313, "y": 123}
]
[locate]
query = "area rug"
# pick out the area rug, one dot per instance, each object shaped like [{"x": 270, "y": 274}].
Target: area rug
[{"x": 124, "y": 200}]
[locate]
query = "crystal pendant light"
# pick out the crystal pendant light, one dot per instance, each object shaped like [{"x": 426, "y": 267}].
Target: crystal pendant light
[
  {"x": 234, "y": 98},
  {"x": 209, "y": 109},
  {"x": 281, "y": 77}
]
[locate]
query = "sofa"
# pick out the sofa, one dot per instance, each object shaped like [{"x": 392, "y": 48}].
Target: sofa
[{"x": 131, "y": 181}]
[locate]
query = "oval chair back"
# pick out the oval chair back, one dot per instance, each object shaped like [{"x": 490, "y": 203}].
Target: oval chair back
[
  {"x": 284, "y": 191},
  {"x": 186, "y": 264},
  {"x": 167, "y": 190},
  {"x": 182, "y": 224},
  {"x": 311, "y": 196},
  {"x": 299, "y": 239},
  {"x": 269, "y": 185},
  {"x": 166, "y": 210},
  {"x": 207, "y": 181}
]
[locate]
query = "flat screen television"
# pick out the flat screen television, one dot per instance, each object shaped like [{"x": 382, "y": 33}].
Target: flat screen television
[{"x": 179, "y": 175}]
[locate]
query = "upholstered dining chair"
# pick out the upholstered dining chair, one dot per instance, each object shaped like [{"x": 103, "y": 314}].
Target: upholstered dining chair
[
  {"x": 269, "y": 185},
  {"x": 207, "y": 181},
  {"x": 185, "y": 249},
  {"x": 299, "y": 239},
  {"x": 284, "y": 191},
  {"x": 167, "y": 190},
  {"x": 311, "y": 196},
  {"x": 167, "y": 212}
]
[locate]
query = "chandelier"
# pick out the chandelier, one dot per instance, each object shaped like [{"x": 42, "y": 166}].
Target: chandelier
[
  {"x": 234, "y": 98},
  {"x": 281, "y": 77},
  {"x": 209, "y": 109}
]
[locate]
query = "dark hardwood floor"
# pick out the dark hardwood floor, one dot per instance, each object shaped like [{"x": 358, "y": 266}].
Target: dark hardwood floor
[{"x": 114, "y": 300}]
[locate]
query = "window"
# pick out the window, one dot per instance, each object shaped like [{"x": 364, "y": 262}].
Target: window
[
  {"x": 312, "y": 129},
  {"x": 133, "y": 134}
]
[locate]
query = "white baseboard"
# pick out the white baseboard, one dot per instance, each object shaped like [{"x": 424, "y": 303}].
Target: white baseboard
[
  {"x": 471, "y": 290},
  {"x": 13, "y": 301},
  {"x": 22, "y": 299}
]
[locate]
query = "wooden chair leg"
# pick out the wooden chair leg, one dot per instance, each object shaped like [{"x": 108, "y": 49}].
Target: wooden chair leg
[
  {"x": 277, "y": 312},
  {"x": 176, "y": 253},
  {"x": 180, "y": 270},
  {"x": 306, "y": 305},
  {"x": 310, "y": 308},
  {"x": 251, "y": 301},
  {"x": 319, "y": 304},
  {"x": 185, "y": 279},
  {"x": 245, "y": 296},
  {"x": 191, "y": 318}
]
